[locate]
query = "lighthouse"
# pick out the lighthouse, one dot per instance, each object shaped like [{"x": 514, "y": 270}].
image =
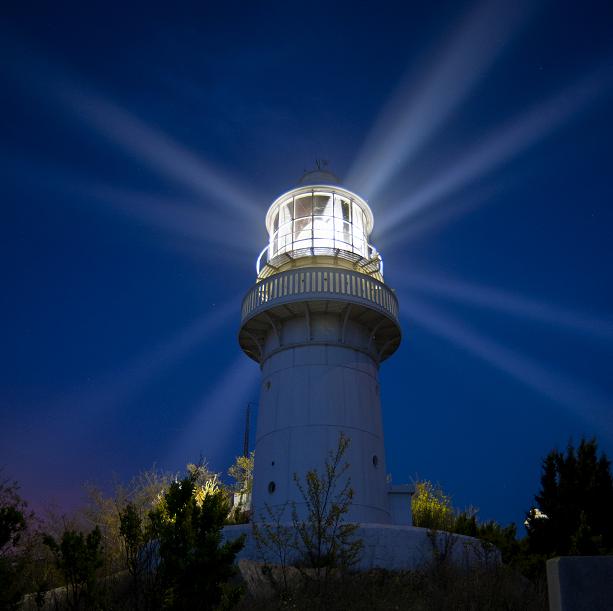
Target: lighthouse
[{"x": 320, "y": 320}]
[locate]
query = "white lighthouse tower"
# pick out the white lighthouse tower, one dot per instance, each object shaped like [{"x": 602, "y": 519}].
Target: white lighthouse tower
[{"x": 320, "y": 320}]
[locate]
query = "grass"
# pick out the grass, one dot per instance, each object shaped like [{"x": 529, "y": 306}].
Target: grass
[{"x": 435, "y": 588}]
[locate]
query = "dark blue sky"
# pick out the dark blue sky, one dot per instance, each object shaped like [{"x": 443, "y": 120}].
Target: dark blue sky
[{"x": 141, "y": 147}]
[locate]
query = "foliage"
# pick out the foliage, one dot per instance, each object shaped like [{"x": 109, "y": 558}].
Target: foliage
[
  {"x": 141, "y": 492},
  {"x": 503, "y": 538},
  {"x": 160, "y": 539},
  {"x": 201, "y": 475},
  {"x": 78, "y": 557},
  {"x": 139, "y": 523},
  {"x": 277, "y": 540},
  {"x": 195, "y": 566},
  {"x": 465, "y": 523},
  {"x": 156, "y": 543},
  {"x": 14, "y": 518},
  {"x": 242, "y": 473},
  {"x": 140, "y": 555},
  {"x": 317, "y": 546},
  {"x": 495, "y": 588},
  {"x": 573, "y": 513},
  {"x": 12, "y": 526},
  {"x": 574, "y": 504},
  {"x": 324, "y": 540},
  {"x": 431, "y": 507},
  {"x": 133, "y": 536}
]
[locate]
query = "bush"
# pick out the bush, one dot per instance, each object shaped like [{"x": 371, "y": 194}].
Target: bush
[
  {"x": 78, "y": 558},
  {"x": 431, "y": 507},
  {"x": 195, "y": 567}
]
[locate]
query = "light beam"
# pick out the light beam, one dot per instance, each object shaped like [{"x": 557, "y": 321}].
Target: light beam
[
  {"x": 418, "y": 110},
  {"x": 184, "y": 220},
  {"x": 158, "y": 150},
  {"x": 438, "y": 217},
  {"x": 581, "y": 401},
  {"x": 508, "y": 303},
  {"x": 218, "y": 416},
  {"x": 499, "y": 148},
  {"x": 125, "y": 384},
  {"x": 131, "y": 134}
]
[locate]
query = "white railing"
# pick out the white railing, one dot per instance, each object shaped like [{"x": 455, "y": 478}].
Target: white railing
[
  {"x": 320, "y": 283},
  {"x": 315, "y": 249}
]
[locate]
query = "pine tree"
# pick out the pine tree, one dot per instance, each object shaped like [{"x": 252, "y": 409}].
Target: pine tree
[{"x": 575, "y": 503}]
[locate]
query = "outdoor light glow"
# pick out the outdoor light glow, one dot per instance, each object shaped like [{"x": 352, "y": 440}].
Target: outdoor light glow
[
  {"x": 502, "y": 301},
  {"x": 144, "y": 369},
  {"x": 159, "y": 151},
  {"x": 181, "y": 220},
  {"x": 311, "y": 220},
  {"x": 440, "y": 215},
  {"x": 513, "y": 139},
  {"x": 535, "y": 514},
  {"x": 583, "y": 402},
  {"x": 117, "y": 389},
  {"x": 419, "y": 109},
  {"x": 218, "y": 417}
]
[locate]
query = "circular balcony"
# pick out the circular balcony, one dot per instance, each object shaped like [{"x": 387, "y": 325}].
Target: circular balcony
[
  {"x": 372, "y": 264},
  {"x": 305, "y": 291}
]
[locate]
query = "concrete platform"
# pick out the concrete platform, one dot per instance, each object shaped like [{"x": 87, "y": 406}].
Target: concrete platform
[{"x": 391, "y": 547}]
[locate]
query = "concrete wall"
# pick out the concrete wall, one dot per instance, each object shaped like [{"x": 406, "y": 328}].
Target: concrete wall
[
  {"x": 313, "y": 388},
  {"x": 400, "y": 504},
  {"x": 580, "y": 583},
  {"x": 387, "y": 547}
]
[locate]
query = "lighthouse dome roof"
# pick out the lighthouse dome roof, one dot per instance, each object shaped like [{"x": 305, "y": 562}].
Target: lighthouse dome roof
[{"x": 319, "y": 176}]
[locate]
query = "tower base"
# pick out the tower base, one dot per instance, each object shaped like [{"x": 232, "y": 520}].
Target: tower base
[{"x": 391, "y": 547}]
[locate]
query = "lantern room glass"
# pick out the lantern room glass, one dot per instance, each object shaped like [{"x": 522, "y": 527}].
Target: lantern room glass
[{"x": 319, "y": 219}]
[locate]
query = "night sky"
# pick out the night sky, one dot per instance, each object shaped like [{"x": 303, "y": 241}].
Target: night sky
[{"x": 140, "y": 147}]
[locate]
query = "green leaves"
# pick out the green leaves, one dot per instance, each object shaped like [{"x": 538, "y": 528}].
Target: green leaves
[
  {"x": 242, "y": 473},
  {"x": 195, "y": 566},
  {"x": 576, "y": 498},
  {"x": 324, "y": 539},
  {"x": 78, "y": 557},
  {"x": 431, "y": 507},
  {"x": 318, "y": 542},
  {"x": 14, "y": 519}
]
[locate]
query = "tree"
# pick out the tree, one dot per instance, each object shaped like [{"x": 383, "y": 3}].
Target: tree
[
  {"x": 324, "y": 539},
  {"x": 321, "y": 542},
  {"x": 141, "y": 493},
  {"x": 242, "y": 473},
  {"x": 12, "y": 524},
  {"x": 195, "y": 567},
  {"x": 138, "y": 549},
  {"x": 14, "y": 518},
  {"x": 574, "y": 504},
  {"x": 78, "y": 557}
]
